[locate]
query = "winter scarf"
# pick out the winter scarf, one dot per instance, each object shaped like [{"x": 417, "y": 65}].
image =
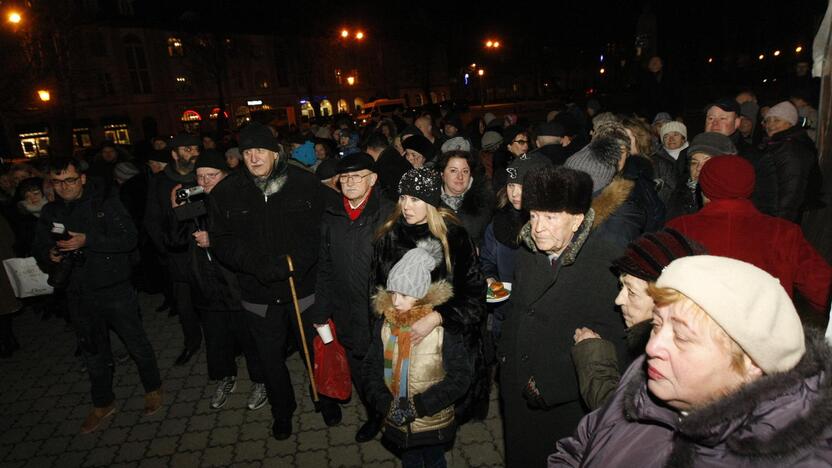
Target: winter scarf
[
  {"x": 455, "y": 201},
  {"x": 675, "y": 152},
  {"x": 395, "y": 374},
  {"x": 34, "y": 210},
  {"x": 274, "y": 182}
]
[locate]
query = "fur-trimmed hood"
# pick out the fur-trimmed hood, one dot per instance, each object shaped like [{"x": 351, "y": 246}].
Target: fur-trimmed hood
[
  {"x": 611, "y": 198},
  {"x": 439, "y": 293},
  {"x": 773, "y": 421},
  {"x": 571, "y": 253}
]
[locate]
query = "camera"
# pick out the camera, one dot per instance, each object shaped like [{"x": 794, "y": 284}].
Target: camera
[
  {"x": 184, "y": 195},
  {"x": 59, "y": 276}
]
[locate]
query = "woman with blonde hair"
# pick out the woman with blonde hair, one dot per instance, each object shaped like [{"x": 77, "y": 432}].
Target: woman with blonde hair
[{"x": 417, "y": 217}]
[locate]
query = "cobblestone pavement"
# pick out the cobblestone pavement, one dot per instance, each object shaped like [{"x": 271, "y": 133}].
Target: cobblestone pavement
[{"x": 44, "y": 398}]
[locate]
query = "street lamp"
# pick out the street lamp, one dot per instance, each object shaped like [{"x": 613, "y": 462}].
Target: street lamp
[
  {"x": 14, "y": 17},
  {"x": 776, "y": 53},
  {"x": 798, "y": 49},
  {"x": 345, "y": 34},
  {"x": 44, "y": 95},
  {"x": 481, "y": 72},
  {"x": 359, "y": 35},
  {"x": 350, "y": 80},
  {"x": 761, "y": 56}
]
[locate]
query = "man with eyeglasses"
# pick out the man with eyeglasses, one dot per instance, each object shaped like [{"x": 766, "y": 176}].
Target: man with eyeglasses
[
  {"x": 261, "y": 215},
  {"x": 342, "y": 292},
  {"x": 184, "y": 150},
  {"x": 88, "y": 233}
]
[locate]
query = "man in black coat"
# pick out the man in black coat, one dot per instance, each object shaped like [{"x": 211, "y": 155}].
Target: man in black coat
[
  {"x": 88, "y": 235},
  {"x": 184, "y": 150},
  {"x": 551, "y": 141},
  {"x": 562, "y": 282},
  {"x": 389, "y": 165},
  {"x": 342, "y": 292},
  {"x": 261, "y": 218}
]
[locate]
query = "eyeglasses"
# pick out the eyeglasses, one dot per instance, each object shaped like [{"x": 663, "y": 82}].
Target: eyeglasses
[
  {"x": 208, "y": 176},
  {"x": 353, "y": 179},
  {"x": 65, "y": 182},
  {"x": 522, "y": 142}
]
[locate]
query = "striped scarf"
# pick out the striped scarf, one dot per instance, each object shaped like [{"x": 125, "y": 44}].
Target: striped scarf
[{"x": 396, "y": 376}]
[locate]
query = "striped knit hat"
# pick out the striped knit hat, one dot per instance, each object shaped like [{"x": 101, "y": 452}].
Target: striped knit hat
[{"x": 646, "y": 257}]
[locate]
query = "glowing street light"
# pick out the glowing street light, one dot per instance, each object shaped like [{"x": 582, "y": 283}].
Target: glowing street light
[
  {"x": 350, "y": 80},
  {"x": 44, "y": 95},
  {"x": 602, "y": 71},
  {"x": 14, "y": 17},
  {"x": 345, "y": 34},
  {"x": 710, "y": 60},
  {"x": 496, "y": 44},
  {"x": 761, "y": 57},
  {"x": 359, "y": 35},
  {"x": 798, "y": 49},
  {"x": 489, "y": 43},
  {"x": 776, "y": 53},
  {"x": 481, "y": 72}
]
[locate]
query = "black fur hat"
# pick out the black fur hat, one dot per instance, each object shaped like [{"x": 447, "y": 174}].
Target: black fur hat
[{"x": 556, "y": 189}]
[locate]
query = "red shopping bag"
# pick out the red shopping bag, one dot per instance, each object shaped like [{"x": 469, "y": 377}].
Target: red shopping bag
[{"x": 332, "y": 371}]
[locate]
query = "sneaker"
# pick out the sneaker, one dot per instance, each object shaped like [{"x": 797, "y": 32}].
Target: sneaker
[
  {"x": 258, "y": 396},
  {"x": 152, "y": 402},
  {"x": 227, "y": 385},
  {"x": 96, "y": 417}
]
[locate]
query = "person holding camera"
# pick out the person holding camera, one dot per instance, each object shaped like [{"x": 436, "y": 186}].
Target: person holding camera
[
  {"x": 87, "y": 238},
  {"x": 261, "y": 217},
  {"x": 184, "y": 150},
  {"x": 216, "y": 290}
]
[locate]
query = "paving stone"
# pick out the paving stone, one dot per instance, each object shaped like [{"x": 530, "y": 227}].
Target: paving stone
[
  {"x": 14, "y": 435},
  {"x": 163, "y": 446},
  {"x": 203, "y": 422},
  {"x": 189, "y": 394},
  {"x": 172, "y": 426},
  {"x": 126, "y": 418},
  {"x": 224, "y": 436},
  {"x": 114, "y": 436},
  {"x": 186, "y": 460},
  {"x": 24, "y": 450},
  {"x": 219, "y": 456},
  {"x": 178, "y": 410},
  {"x": 312, "y": 440},
  {"x": 316, "y": 458},
  {"x": 374, "y": 452},
  {"x": 230, "y": 418},
  {"x": 131, "y": 451},
  {"x": 279, "y": 461},
  {"x": 281, "y": 447},
  {"x": 249, "y": 451},
  {"x": 156, "y": 462},
  {"x": 342, "y": 435},
  {"x": 85, "y": 442},
  {"x": 348, "y": 456},
  {"x": 101, "y": 456},
  {"x": 194, "y": 441},
  {"x": 55, "y": 445},
  {"x": 40, "y": 461},
  {"x": 74, "y": 459},
  {"x": 41, "y": 432},
  {"x": 254, "y": 431},
  {"x": 144, "y": 431},
  {"x": 475, "y": 432},
  {"x": 481, "y": 454}
]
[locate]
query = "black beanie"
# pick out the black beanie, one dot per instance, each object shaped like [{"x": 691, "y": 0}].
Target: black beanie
[
  {"x": 162, "y": 155},
  {"x": 184, "y": 139},
  {"x": 257, "y": 135},
  {"x": 421, "y": 145},
  {"x": 211, "y": 158},
  {"x": 556, "y": 189},
  {"x": 422, "y": 183}
]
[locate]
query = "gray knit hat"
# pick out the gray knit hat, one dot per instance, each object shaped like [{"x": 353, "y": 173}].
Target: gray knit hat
[
  {"x": 411, "y": 275},
  {"x": 599, "y": 159},
  {"x": 712, "y": 144}
]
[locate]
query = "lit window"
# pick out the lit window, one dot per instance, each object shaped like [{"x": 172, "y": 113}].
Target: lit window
[{"x": 175, "y": 48}]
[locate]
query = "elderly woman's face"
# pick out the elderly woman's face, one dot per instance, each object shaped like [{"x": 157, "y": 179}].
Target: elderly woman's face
[
  {"x": 636, "y": 305},
  {"x": 687, "y": 365},
  {"x": 551, "y": 231},
  {"x": 415, "y": 158}
]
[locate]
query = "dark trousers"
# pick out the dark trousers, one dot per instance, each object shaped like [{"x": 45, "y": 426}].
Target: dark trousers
[
  {"x": 93, "y": 314},
  {"x": 271, "y": 334},
  {"x": 225, "y": 332},
  {"x": 428, "y": 456},
  {"x": 188, "y": 317},
  {"x": 355, "y": 363}
]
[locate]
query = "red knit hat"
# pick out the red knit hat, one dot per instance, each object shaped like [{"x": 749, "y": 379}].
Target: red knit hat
[
  {"x": 646, "y": 257},
  {"x": 727, "y": 177}
]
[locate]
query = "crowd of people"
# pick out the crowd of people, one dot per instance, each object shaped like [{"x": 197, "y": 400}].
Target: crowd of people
[{"x": 651, "y": 276}]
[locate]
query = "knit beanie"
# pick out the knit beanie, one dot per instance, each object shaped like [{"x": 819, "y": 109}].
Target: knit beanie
[
  {"x": 211, "y": 158},
  {"x": 674, "y": 126},
  {"x": 556, "y": 189},
  {"x": 522, "y": 165},
  {"x": 491, "y": 140},
  {"x": 234, "y": 153},
  {"x": 750, "y": 110},
  {"x": 184, "y": 139},
  {"x": 421, "y": 145},
  {"x": 422, "y": 183},
  {"x": 162, "y": 156},
  {"x": 712, "y": 144},
  {"x": 456, "y": 144},
  {"x": 257, "y": 135},
  {"x": 599, "y": 159},
  {"x": 727, "y": 177},
  {"x": 784, "y": 111},
  {"x": 411, "y": 274},
  {"x": 646, "y": 257},
  {"x": 749, "y": 304},
  {"x": 662, "y": 117},
  {"x": 123, "y": 171},
  {"x": 488, "y": 117},
  {"x": 305, "y": 153}
]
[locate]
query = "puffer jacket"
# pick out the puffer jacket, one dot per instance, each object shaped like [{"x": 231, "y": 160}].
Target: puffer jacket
[
  {"x": 439, "y": 372},
  {"x": 795, "y": 160},
  {"x": 779, "y": 420}
]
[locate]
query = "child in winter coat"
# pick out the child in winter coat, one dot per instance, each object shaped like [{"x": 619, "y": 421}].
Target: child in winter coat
[{"x": 415, "y": 382}]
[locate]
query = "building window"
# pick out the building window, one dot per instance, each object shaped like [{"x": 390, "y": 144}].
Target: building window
[
  {"x": 137, "y": 66},
  {"x": 105, "y": 84},
  {"x": 81, "y": 137},
  {"x": 183, "y": 84},
  {"x": 175, "y": 48},
  {"x": 35, "y": 143},
  {"x": 117, "y": 133}
]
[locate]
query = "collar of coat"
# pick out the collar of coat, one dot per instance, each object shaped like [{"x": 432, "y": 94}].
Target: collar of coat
[
  {"x": 611, "y": 198},
  {"x": 747, "y": 421},
  {"x": 439, "y": 293},
  {"x": 571, "y": 252}
]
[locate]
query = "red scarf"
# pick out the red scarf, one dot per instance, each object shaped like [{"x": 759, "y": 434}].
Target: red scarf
[{"x": 354, "y": 213}]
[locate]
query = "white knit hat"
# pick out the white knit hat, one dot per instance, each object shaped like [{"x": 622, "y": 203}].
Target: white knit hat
[
  {"x": 673, "y": 126},
  {"x": 748, "y": 303},
  {"x": 784, "y": 111}
]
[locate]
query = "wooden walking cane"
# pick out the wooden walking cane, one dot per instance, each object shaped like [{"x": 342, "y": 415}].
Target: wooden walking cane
[{"x": 300, "y": 328}]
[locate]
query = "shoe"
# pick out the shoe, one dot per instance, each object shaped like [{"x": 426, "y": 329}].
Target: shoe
[
  {"x": 165, "y": 305},
  {"x": 258, "y": 397},
  {"x": 331, "y": 411},
  {"x": 186, "y": 356},
  {"x": 282, "y": 429},
  {"x": 96, "y": 417},
  {"x": 226, "y": 386},
  {"x": 152, "y": 402},
  {"x": 369, "y": 430}
]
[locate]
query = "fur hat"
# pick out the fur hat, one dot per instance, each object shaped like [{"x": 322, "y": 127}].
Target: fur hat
[
  {"x": 421, "y": 145},
  {"x": 422, "y": 183},
  {"x": 556, "y": 189},
  {"x": 646, "y": 257},
  {"x": 257, "y": 135},
  {"x": 784, "y": 111},
  {"x": 411, "y": 274},
  {"x": 673, "y": 126},
  {"x": 745, "y": 301},
  {"x": 456, "y": 144}
]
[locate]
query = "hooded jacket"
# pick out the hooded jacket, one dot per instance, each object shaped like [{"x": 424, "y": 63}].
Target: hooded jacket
[
  {"x": 439, "y": 372},
  {"x": 779, "y": 420}
]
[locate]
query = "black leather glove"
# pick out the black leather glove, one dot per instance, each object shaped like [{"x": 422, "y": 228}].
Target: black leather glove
[
  {"x": 532, "y": 395},
  {"x": 402, "y": 411}
]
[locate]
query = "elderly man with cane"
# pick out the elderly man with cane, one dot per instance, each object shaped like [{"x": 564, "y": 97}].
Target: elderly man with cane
[{"x": 266, "y": 228}]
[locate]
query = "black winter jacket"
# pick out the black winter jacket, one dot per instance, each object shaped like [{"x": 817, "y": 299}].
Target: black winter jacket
[
  {"x": 766, "y": 187},
  {"x": 476, "y": 209},
  {"x": 252, "y": 234},
  {"x": 795, "y": 159},
  {"x": 156, "y": 212},
  {"x": 390, "y": 167},
  {"x": 342, "y": 290},
  {"x": 110, "y": 238}
]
